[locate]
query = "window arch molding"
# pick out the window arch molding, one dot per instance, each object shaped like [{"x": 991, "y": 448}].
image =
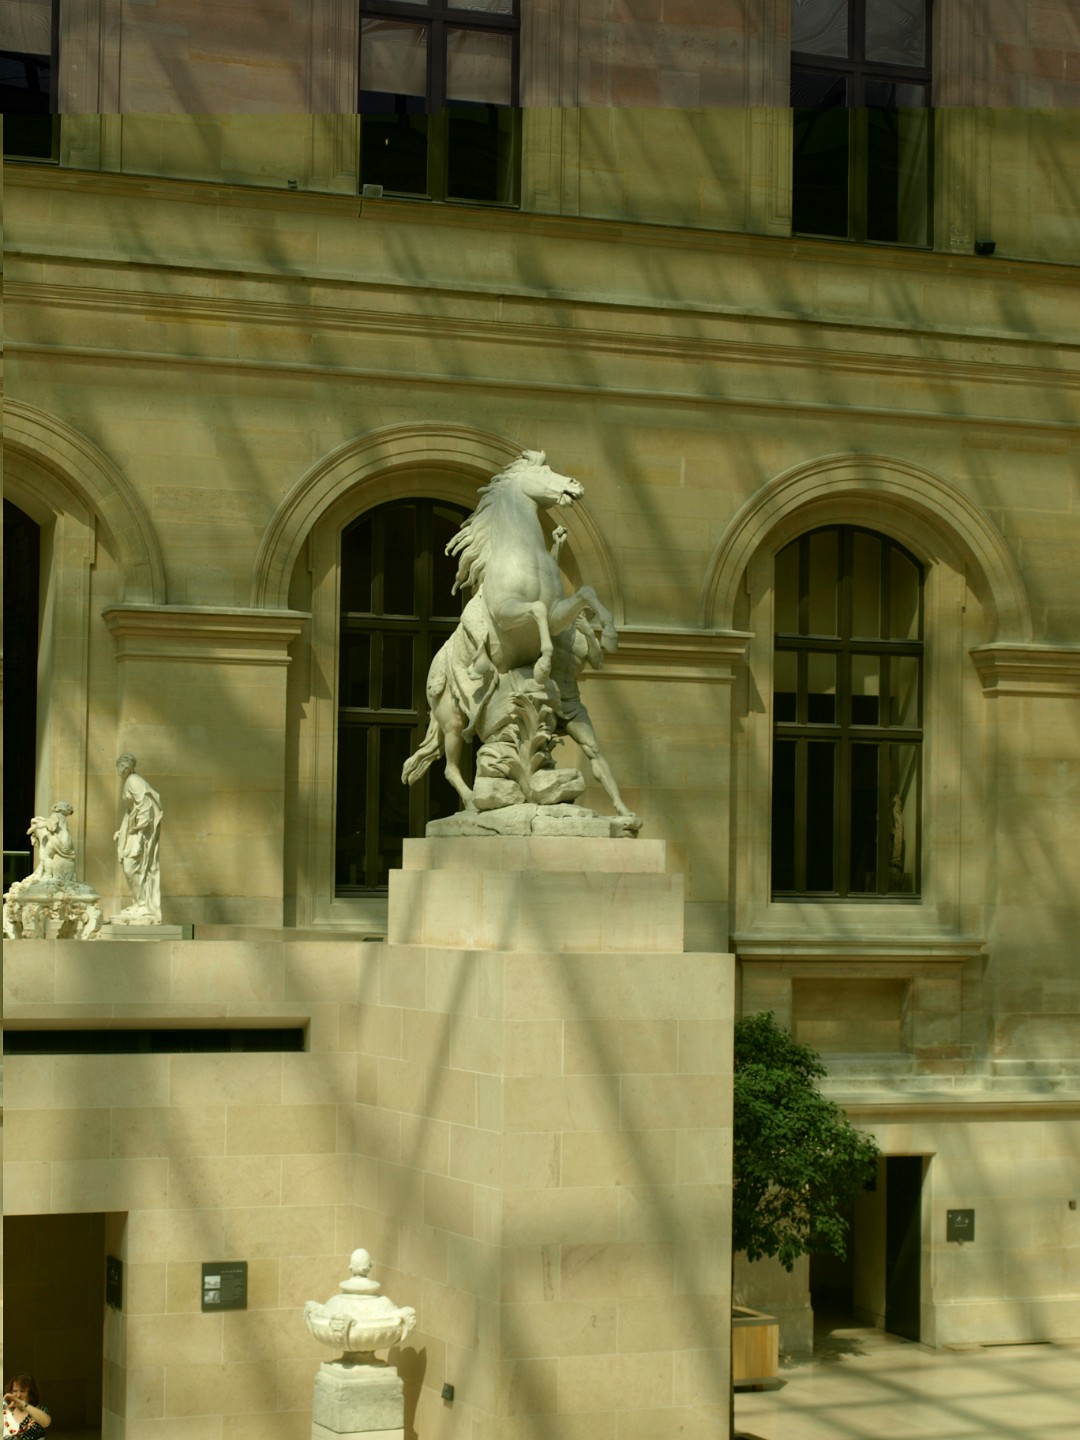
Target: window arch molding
[
  {"x": 74, "y": 476},
  {"x": 381, "y": 466},
  {"x": 81, "y": 501},
  {"x": 932, "y": 517}
]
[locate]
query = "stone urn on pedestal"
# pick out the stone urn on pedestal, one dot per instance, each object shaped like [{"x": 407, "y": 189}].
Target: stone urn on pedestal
[{"x": 357, "y": 1395}]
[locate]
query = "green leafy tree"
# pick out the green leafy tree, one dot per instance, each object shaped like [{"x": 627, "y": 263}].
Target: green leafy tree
[{"x": 798, "y": 1162}]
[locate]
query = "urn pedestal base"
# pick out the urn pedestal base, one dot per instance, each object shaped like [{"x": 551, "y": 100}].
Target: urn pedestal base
[{"x": 357, "y": 1399}]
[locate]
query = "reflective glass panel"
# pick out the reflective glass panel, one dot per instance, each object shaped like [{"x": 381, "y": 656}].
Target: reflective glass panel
[
  {"x": 902, "y": 818},
  {"x": 904, "y": 690},
  {"x": 898, "y": 176},
  {"x": 399, "y": 560},
  {"x": 352, "y": 791},
  {"x": 480, "y": 164},
  {"x": 903, "y": 597},
  {"x": 393, "y": 57},
  {"x": 354, "y": 684},
  {"x": 783, "y": 815},
  {"x": 479, "y": 66},
  {"x": 821, "y": 689},
  {"x": 395, "y": 746},
  {"x": 865, "y": 689},
  {"x": 863, "y": 818},
  {"x": 820, "y": 790},
  {"x": 394, "y": 143},
  {"x": 896, "y": 31},
  {"x": 356, "y": 569},
  {"x": 786, "y": 600},
  {"x": 785, "y": 684},
  {"x": 865, "y": 585},
  {"x": 26, "y": 25},
  {"x": 493, "y": 7},
  {"x": 824, "y": 571},
  {"x": 397, "y": 672},
  {"x": 819, "y": 27},
  {"x": 820, "y": 155}
]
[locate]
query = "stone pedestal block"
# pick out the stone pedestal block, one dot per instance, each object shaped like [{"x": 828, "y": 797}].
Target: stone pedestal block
[
  {"x": 357, "y": 1399},
  {"x": 549, "y": 1132}
]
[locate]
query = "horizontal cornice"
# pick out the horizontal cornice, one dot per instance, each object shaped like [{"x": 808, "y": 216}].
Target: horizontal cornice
[
  {"x": 379, "y": 373},
  {"x": 627, "y": 332},
  {"x": 1000, "y": 270},
  {"x": 221, "y": 636},
  {"x": 802, "y": 949},
  {"x": 970, "y": 1104},
  {"x": 1028, "y": 669},
  {"x": 699, "y": 655}
]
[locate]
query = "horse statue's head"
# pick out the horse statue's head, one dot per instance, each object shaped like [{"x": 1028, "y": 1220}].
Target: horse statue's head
[{"x": 533, "y": 476}]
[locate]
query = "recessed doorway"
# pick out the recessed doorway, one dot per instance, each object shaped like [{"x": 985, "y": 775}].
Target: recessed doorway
[
  {"x": 879, "y": 1283},
  {"x": 54, "y": 1308}
]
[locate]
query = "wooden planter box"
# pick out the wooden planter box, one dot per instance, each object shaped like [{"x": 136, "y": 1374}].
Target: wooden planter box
[{"x": 755, "y": 1347}]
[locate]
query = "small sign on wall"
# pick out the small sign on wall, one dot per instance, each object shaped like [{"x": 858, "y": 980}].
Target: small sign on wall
[
  {"x": 959, "y": 1225},
  {"x": 224, "y": 1285}
]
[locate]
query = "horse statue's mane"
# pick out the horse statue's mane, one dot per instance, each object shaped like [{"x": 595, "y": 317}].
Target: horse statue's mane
[{"x": 471, "y": 544}]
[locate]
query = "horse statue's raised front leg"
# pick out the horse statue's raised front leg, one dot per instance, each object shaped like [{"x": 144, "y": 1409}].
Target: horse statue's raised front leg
[
  {"x": 566, "y": 611},
  {"x": 514, "y": 613}
]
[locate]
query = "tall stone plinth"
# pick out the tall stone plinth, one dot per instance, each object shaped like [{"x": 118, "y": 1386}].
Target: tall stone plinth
[{"x": 549, "y": 1147}]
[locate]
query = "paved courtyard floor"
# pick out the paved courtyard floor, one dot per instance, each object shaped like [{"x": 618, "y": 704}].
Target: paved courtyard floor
[{"x": 865, "y": 1385}]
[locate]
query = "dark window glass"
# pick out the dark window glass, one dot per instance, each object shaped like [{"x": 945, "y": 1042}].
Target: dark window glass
[
  {"x": 397, "y": 609},
  {"x": 847, "y": 712},
  {"x": 863, "y": 174},
  {"x": 178, "y": 1040},
  {"x": 22, "y": 578},
  {"x": 438, "y": 99}
]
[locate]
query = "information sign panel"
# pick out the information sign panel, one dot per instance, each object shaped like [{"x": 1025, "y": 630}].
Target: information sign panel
[
  {"x": 959, "y": 1225},
  {"x": 224, "y": 1285}
]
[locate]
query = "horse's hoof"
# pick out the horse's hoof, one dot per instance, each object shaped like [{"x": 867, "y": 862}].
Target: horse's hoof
[{"x": 542, "y": 671}]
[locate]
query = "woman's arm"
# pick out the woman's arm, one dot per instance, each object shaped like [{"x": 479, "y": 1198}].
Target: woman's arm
[{"x": 38, "y": 1413}]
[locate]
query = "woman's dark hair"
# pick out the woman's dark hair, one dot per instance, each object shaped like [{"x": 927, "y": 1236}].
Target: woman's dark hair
[{"x": 27, "y": 1383}]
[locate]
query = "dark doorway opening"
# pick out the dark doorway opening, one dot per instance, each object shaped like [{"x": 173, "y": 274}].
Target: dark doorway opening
[
  {"x": 903, "y": 1245},
  {"x": 878, "y": 1284},
  {"x": 54, "y": 1311}
]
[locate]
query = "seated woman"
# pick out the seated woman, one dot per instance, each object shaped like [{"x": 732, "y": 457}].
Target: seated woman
[{"x": 24, "y": 1414}]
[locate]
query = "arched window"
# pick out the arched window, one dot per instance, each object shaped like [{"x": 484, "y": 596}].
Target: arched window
[
  {"x": 396, "y": 610},
  {"x": 847, "y": 716},
  {"x": 22, "y": 571}
]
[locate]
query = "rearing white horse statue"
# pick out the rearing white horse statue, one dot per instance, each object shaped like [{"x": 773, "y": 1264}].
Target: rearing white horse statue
[{"x": 519, "y": 604}]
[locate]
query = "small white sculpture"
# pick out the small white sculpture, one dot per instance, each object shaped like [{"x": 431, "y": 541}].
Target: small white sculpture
[
  {"x": 508, "y": 674},
  {"x": 359, "y": 1320},
  {"x": 51, "y": 903},
  {"x": 137, "y": 846}
]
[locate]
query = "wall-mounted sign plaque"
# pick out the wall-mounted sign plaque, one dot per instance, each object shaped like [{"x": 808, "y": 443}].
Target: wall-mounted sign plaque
[
  {"x": 959, "y": 1225},
  {"x": 224, "y": 1285},
  {"x": 114, "y": 1282}
]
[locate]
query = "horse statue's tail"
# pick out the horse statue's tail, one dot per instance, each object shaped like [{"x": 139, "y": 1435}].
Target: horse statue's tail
[{"x": 424, "y": 756}]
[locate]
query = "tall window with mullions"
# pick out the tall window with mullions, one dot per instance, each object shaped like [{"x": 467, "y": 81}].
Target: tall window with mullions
[
  {"x": 438, "y": 98},
  {"x": 28, "y": 56},
  {"x": 847, "y": 717},
  {"x": 397, "y": 609},
  {"x": 862, "y": 140}
]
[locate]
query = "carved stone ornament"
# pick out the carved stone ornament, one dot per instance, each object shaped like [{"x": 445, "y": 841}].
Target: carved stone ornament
[
  {"x": 138, "y": 846},
  {"x": 359, "y": 1320},
  {"x": 51, "y": 904}
]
